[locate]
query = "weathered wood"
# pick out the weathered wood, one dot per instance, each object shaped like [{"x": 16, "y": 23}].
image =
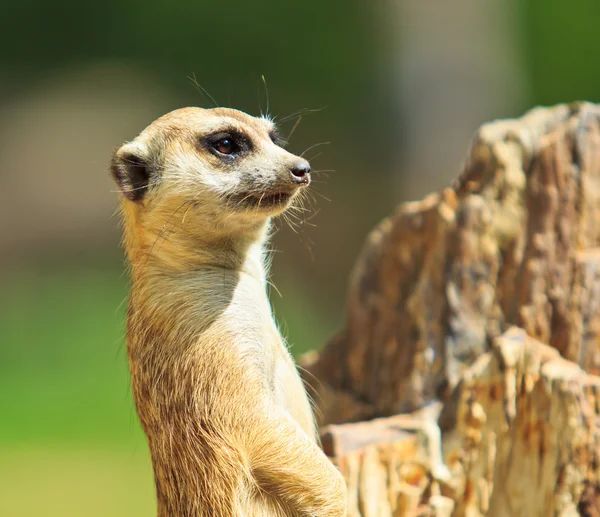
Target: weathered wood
[
  {"x": 391, "y": 465},
  {"x": 449, "y": 307},
  {"x": 521, "y": 438},
  {"x": 515, "y": 241}
]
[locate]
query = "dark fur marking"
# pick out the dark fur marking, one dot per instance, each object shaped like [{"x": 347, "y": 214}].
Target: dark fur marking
[{"x": 132, "y": 175}]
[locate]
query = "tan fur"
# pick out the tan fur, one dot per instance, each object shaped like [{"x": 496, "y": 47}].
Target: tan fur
[{"x": 228, "y": 421}]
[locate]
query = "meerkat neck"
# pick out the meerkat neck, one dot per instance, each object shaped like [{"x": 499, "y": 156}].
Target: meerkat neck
[{"x": 196, "y": 250}]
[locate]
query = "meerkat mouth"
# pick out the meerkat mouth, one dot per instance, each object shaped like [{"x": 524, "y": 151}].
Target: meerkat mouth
[{"x": 267, "y": 200}]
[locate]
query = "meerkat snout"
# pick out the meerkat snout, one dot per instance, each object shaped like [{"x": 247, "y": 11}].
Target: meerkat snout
[{"x": 301, "y": 173}]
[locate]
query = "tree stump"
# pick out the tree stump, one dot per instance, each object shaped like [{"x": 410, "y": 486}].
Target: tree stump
[{"x": 471, "y": 350}]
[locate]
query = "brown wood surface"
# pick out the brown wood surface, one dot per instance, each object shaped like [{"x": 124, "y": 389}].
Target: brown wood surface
[{"x": 476, "y": 313}]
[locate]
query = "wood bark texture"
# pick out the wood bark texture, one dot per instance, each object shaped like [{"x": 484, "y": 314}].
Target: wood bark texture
[{"x": 470, "y": 357}]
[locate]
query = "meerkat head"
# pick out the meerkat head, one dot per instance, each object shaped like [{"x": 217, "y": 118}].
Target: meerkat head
[{"x": 222, "y": 168}]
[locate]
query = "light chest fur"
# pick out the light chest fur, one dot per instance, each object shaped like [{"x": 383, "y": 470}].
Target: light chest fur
[{"x": 224, "y": 315}]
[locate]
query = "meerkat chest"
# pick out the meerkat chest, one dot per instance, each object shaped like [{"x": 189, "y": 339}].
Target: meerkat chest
[
  {"x": 263, "y": 343},
  {"x": 290, "y": 393},
  {"x": 239, "y": 334}
]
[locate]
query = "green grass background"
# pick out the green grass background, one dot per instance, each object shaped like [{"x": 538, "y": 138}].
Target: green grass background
[{"x": 70, "y": 442}]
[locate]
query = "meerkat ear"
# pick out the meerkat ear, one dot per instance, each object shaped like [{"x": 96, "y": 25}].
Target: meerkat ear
[{"x": 131, "y": 171}]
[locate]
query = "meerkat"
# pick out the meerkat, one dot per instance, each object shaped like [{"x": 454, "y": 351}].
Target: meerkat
[{"x": 229, "y": 424}]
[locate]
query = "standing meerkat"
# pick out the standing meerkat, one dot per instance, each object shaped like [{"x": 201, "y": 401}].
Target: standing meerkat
[{"x": 229, "y": 424}]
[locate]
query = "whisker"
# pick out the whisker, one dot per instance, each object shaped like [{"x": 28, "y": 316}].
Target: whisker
[
  {"x": 313, "y": 158},
  {"x": 169, "y": 231},
  {"x": 267, "y": 94},
  {"x": 119, "y": 191},
  {"x": 319, "y": 171},
  {"x": 165, "y": 231},
  {"x": 290, "y": 223},
  {"x": 299, "y": 208},
  {"x": 312, "y": 147},
  {"x": 300, "y": 113},
  {"x": 203, "y": 90},
  {"x": 312, "y": 391},
  {"x": 321, "y": 196},
  {"x": 294, "y": 128},
  {"x": 192, "y": 201},
  {"x": 271, "y": 284}
]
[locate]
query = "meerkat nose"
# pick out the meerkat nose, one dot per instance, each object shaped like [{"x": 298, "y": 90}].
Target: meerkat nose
[{"x": 300, "y": 172}]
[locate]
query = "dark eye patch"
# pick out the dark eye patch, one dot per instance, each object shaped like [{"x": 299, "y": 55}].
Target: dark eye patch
[
  {"x": 229, "y": 143},
  {"x": 276, "y": 138}
]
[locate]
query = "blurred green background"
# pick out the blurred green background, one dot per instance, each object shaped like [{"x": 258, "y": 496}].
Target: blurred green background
[{"x": 398, "y": 87}]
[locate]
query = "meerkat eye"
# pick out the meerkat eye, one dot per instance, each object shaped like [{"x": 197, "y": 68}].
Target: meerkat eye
[
  {"x": 225, "y": 145},
  {"x": 230, "y": 144}
]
